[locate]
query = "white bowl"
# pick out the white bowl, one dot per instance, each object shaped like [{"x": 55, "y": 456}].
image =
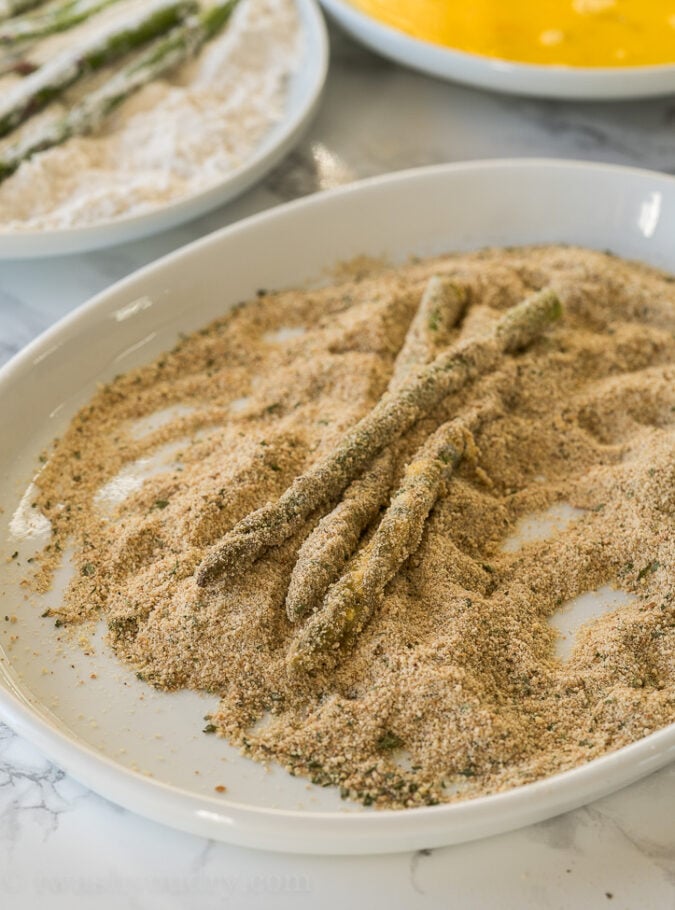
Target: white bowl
[
  {"x": 304, "y": 94},
  {"x": 583, "y": 83},
  {"x": 141, "y": 748}
]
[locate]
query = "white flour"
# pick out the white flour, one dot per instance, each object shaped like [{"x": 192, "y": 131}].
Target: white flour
[{"x": 173, "y": 138}]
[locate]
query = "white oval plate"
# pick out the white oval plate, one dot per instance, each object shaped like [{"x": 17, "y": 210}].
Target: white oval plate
[
  {"x": 304, "y": 93},
  {"x": 501, "y": 75},
  {"x": 144, "y": 749}
]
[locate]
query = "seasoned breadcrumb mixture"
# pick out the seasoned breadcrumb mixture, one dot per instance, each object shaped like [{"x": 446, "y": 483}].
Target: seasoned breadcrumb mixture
[{"x": 453, "y": 687}]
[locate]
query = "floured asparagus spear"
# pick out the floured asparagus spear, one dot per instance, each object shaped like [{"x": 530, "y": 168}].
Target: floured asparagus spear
[
  {"x": 47, "y": 83},
  {"x": 161, "y": 57},
  {"x": 351, "y": 601},
  {"x": 394, "y": 415},
  {"x": 11, "y": 8},
  {"x": 55, "y": 18},
  {"x": 334, "y": 540}
]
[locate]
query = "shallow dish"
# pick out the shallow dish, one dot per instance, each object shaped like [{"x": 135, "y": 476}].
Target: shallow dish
[
  {"x": 502, "y": 75},
  {"x": 303, "y": 97},
  {"x": 145, "y": 749}
]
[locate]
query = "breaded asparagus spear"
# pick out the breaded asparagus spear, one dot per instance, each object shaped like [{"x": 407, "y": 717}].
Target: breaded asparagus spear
[
  {"x": 441, "y": 307},
  {"x": 47, "y": 83},
  {"x": 351, "y": 601},
  {"x": 392, "y": 416},
  {"x": 162, "y": 56},
  {"x": 331, "y": 544}
]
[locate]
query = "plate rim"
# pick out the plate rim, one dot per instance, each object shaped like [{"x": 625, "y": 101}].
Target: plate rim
[
  {"x": 39, "y": 244},
  {"x": 239, "y": 822},
  {"x": 501, "y": 75}
]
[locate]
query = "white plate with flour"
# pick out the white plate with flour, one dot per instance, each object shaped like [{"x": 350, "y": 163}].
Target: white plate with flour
[
  {"x": 144, "y": 749},
  {"x": 554, "y": 81},
  {"x": 85, "y": 225}
]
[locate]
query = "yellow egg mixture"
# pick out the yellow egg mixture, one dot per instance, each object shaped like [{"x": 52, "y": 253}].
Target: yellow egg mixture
[{"x": 568, "y": 32}]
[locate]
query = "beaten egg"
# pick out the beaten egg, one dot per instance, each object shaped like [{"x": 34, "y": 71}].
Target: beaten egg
[{"x": 588, "y": 33}]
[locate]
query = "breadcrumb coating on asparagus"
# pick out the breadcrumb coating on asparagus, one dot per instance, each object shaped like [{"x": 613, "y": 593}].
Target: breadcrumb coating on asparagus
[
  {"x": 394, "y": 414},
  {"x": 331, "y": 544}
]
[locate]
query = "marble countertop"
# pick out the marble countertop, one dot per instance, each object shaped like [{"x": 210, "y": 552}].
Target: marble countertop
[{"x": 62, "y": 846}]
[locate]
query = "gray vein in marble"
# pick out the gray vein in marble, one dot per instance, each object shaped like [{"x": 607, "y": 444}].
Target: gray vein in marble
[
  {"x": 661, "y": 854},
  {"x": 417, "y": 857},
  {"x": 38, "y": 792},
  {"x": 203, "y": 856},
  {"x": 601, "y": 129}
]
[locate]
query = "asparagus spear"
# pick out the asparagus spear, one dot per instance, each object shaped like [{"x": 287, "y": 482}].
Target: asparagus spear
[
  {"x": 57, "y": 17},
  {"x": 331, "y": 544},
  {"x": 10, "y": 8},
  {"x": 441, "y": 307},
  {"x": 162, "y": 56},
  {"x": 47, "y": 83},
  {"x": 394, "y": 415},
  {"x": 351, "y": 601}
]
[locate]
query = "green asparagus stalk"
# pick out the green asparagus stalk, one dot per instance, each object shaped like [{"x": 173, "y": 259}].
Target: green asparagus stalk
[
  {"x": 331, "y": 544},
  {"x": 11, "y": 8},
  {"x": 160, "y": 58},
  {"x": 352, "y": 600},
  {"x": 441, "y": 307},
  {"x": 394, "y": 415},
  {"x": 57, "y": 17},
  {"x": 42, "y": 87},
  {"x": 329, "y": 547}
]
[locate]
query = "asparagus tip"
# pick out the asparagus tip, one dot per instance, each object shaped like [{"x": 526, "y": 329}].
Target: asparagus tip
[{"x": 526, "y": 321}]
